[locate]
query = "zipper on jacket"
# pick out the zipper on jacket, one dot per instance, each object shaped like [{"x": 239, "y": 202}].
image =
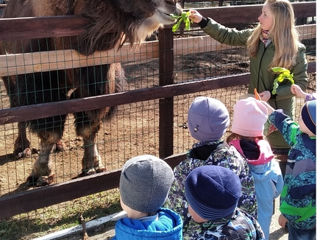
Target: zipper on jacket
[{"x": 264, "y": 50}]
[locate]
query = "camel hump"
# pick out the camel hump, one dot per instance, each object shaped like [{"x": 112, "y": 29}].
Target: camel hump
[{"x": 39, "y": 8}]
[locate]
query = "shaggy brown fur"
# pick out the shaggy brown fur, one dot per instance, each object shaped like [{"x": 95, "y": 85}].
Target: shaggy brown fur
[{"x": 110, "y": 24}]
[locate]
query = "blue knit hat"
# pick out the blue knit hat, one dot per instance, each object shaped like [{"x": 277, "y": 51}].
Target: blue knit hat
[
  {"x": 308, "y": 115},
  {"x": 213, "y": 191},
  {"x": 208, "y": 119}
]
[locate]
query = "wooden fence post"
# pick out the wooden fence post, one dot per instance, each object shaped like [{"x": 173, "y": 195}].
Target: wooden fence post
[{"x": 166, "y": 58}]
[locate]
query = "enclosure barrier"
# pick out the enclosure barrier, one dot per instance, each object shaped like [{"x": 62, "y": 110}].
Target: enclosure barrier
[{"x": 26, "y": 28}]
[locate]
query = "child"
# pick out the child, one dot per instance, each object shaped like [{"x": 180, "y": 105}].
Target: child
[
  {"x": 213, "y": 193},
  {"x": 144, "y": 184},
  {"x": 208, "y": 119},
  {"x": 247, "y": 128},
  {"x": 298, "y": 197}
]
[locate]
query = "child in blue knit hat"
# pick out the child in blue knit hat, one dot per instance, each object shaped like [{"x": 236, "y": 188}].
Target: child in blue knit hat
[
  {"x": 213, "y": 193},
  {"x": 208, "y": 120},
  {"x": 144, "y": 185},
  {"x": 298, "y": 197}
]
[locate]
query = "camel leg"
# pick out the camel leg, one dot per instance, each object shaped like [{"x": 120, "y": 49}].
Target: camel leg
[
  {"x": 42, "y": 172},
  {"x": 88, "y": 123},
  {"x": 22, "y": 144},
  {"x": 91, "y": 162}
]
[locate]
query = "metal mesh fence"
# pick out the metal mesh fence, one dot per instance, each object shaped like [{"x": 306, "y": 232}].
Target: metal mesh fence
[{"x": 127, "y": 130}]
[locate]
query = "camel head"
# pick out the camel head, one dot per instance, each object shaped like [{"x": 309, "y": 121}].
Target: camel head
[{"x": 113, "y": 22}]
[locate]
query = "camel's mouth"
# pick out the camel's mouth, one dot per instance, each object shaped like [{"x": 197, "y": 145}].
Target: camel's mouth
[{"x": 165, "y": 17}]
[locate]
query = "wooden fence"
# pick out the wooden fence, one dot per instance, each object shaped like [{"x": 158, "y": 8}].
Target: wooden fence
[{"x": 27, "y": 28}]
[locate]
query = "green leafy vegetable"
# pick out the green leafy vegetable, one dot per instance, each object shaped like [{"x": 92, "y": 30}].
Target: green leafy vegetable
[
  {"x": 184, "y": 17},
  {"x": 283, "y": 74}
]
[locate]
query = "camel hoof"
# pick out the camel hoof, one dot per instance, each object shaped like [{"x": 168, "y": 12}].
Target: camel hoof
[
  {"x": 86, "y": 172},
  {"x": 101, "y": 169},
  {"x": 19, "y": 153},
  {"x": 59, "y": 146},
  {"x": 40, "y": 181},
  {"x": 91, "y": 171}
]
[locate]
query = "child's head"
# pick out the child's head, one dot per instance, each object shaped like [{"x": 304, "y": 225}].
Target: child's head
[
  {"x": 307, "y": 120},
  {"x": 144, "y": 184},
  {"x": 249, "y": 117},
  {"x": 212, "y": 192},
  {"x": 208, "y": 119}
]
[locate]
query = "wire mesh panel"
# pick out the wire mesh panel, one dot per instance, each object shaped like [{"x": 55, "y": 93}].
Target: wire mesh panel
[
  {"x": 125, "y": 131},
  {"x": 121, "y": 130}
]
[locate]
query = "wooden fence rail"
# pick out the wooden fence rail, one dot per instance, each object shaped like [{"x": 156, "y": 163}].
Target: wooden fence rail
[
  {"x": 43, "y": 27},
  {"x": 21, "y": 63},
  {"x": 36, "y": 111},
  {"x": 13, "y": 204}
]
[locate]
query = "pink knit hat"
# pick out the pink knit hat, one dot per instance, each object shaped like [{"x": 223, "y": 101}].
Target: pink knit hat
[{"x": 249, "y": 117}]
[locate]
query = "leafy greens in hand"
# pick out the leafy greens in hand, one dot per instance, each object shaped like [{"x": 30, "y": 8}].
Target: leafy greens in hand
[
  {"x": 283, "y": 74},
  {"x": 184, "y": 17}
]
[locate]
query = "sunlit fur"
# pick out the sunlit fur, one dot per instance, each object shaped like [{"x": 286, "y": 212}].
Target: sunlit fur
[
  {"x": 125, "y": 20},
  {"x": 110, "y": 23}
]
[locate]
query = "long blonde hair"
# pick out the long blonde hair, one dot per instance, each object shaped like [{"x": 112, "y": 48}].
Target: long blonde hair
[{"x": 283, "y": 34}]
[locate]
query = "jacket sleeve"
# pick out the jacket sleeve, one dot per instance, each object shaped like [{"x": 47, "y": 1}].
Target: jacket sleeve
[
  {"x": 230, "y": 36},
  {"x": 259, "y": 231},
  {"x": 310, "y": 97},
  {"x": 277, "y": 179},
  {"x": 298, "y": 195},
  {"x": 176, "y": 200},
  {"x": 285, "y": 125},
  {"x": 305, "y": 179},
  {"x": 300, "y": 76}
]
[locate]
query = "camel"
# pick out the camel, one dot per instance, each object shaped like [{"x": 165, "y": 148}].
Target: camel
[{"x": 110, "y": 24}]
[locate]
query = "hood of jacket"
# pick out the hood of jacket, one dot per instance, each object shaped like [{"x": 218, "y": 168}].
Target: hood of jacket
[
  {"x": 203, "y": 150},
  {"x": 256, "y": 152},
  {"x": 167, "y": 226}
]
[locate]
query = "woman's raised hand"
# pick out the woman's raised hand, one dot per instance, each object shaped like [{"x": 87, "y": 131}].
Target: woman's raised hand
[{"x": 195, "y": 16}]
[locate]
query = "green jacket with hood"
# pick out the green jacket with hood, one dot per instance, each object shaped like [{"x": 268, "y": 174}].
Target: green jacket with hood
[{"x": 261, "y": 76}]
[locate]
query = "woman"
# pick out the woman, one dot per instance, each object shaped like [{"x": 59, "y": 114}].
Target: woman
[{"x": 272, "y": 43}]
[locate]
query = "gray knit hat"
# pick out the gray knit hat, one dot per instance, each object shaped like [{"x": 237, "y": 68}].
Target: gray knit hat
[
  {"x": 145, "y": 182},
  {"x": 208, "y": 119}
]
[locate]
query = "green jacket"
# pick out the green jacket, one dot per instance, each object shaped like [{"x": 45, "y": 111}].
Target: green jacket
[{"x": 261, "y": 77}]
